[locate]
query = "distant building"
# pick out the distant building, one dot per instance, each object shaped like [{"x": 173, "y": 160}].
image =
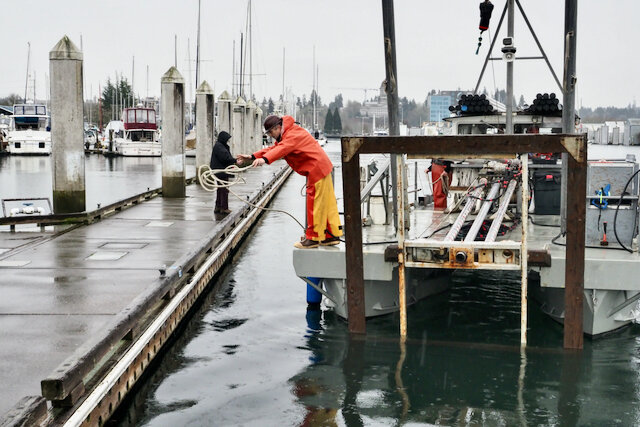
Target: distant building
[
  {"x": 377, "y": 107},
  {"x": 438, "y": 104}
]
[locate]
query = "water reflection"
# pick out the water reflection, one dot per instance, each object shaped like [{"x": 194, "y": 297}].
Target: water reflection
[{"x": 108, "y": 179}]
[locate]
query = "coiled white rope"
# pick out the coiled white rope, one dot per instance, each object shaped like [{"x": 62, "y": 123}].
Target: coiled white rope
[{"x": 210, "y": 182}]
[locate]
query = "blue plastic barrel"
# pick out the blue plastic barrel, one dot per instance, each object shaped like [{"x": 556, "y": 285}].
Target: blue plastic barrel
[{"x": 313, "y": 295}]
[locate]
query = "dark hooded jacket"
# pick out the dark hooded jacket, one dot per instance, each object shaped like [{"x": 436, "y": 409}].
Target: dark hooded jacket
[{"x": 221, "y": 155}]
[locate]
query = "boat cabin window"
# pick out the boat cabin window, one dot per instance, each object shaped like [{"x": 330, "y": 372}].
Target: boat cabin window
[
  {"x": 18, "y": 109},
  {"x": 152, "y": 116},
  {"x": 479, "y": 129},
  {"x": 141, "y": 116},
  {"x": 41, "y": 110},
  {"x": 29, "y": 109},
  {"x": 131, "y": 116},
  {"x": 141, "y": 135}
]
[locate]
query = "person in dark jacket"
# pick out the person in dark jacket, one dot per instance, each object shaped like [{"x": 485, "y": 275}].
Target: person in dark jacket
[{"x": 221, "y": 158}]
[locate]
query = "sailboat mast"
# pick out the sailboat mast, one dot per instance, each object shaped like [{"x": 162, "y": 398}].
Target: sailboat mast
[
  {"x": 315, "y": 95},
  {"x": 233, "y": 72},
  {"x": 26, "y": 82},
  {"x": 198, "y": 49},
  {"x": 241, "y": 88},
  {"x": 190, "y": 81},
  {"x": 283, "y": 104},
  {"x": 250, "y": 35}
]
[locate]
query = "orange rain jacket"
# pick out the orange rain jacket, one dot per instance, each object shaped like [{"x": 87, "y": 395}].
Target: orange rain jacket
[{"x": 300, "y": 150}]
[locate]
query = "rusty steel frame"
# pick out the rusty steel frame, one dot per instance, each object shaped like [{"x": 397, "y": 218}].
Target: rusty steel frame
[{"x": 478, "y": 145}]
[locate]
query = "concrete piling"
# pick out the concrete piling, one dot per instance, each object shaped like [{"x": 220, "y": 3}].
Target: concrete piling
[
  {"x": 67, "y": 133},
  {"x": 249, "y": 136},
  {"x": 257, "y": 127},
  {"x": 224, "y": 113},
  {"x": 173, "y": 139},
  {"x": 206, "y": 126},
  {"x": 237, "y": 143}
]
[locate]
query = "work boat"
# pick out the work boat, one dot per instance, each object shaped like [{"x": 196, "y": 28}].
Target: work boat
[
  {"x": 140, "y": 134},
  {"x": 324, "y": 268},
  {"x": 29, "y": 131},
  {"x": 611, "y": 289}
]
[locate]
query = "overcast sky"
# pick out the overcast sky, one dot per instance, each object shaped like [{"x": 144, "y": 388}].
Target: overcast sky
[{"x": 436, "y": 43}]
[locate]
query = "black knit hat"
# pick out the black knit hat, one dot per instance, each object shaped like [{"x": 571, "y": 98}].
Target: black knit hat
[
  {"x": 223, "y": 137},
  {"x": 271, "y": 121}
]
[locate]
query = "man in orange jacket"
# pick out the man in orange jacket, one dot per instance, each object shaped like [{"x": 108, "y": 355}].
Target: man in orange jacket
[{"x": 305, "y": 156}]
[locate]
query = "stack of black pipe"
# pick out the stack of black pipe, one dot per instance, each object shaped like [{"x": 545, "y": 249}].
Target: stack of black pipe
[
  {"x": 472, "y": 105},
  {"x": 545, "y": 104}
]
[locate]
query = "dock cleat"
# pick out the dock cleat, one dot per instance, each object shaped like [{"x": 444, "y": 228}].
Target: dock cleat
[{"x": 306, "y": 244}]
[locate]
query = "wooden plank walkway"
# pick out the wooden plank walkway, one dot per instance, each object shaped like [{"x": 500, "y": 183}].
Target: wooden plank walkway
[{"x": 64, "y": 291}]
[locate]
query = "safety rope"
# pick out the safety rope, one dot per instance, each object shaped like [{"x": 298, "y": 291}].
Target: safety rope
[{"x": 210, "y": 182}]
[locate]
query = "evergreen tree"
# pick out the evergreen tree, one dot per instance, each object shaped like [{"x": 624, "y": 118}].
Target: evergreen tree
[
  {"x": 328, "y": 122},
  {"x": 337, "y": 122},
  {"x": 521, "y": 102},
  {"x": 118, "y": 95},
  {"x": 271, "y": 107}
]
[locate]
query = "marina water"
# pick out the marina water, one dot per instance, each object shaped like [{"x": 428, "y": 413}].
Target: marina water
[
  {"x": 253, "y": 355},
  {"x": 108, "y": 179}
]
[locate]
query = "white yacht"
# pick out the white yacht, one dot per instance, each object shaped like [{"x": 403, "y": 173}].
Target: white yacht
[
  {"x": 140, "y": 134},
  {"x": 29, "y": 130}
]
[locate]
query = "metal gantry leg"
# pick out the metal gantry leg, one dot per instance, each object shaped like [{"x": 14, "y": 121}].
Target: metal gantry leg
[{"x": 523, "y": 250}]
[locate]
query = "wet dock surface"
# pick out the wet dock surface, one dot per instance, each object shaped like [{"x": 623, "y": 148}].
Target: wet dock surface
[{"x": 62, "y": 286}]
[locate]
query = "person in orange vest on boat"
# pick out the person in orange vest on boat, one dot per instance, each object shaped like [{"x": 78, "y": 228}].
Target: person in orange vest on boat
[
  {"x": 440, "y": 170},
  {"x": 305, "y": 156}
]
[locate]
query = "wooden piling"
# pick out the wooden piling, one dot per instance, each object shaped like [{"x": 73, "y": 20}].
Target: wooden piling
[
  {"x": 574, "y": 261},
  {"x": 353, "y": 231}
]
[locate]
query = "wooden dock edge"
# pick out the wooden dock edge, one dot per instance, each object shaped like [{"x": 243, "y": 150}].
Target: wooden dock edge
[{"x": 65, "y": 386}]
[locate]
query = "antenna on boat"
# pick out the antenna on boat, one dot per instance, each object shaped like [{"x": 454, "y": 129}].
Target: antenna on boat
[
  {"x": 26, "y": 83},
  {"x": 133, "y": 70}
]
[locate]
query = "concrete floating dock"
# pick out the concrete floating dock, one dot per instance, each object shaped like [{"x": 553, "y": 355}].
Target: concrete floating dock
[{"x": 76, "y": 297}]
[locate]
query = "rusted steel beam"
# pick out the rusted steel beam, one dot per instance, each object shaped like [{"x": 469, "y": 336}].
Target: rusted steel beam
[
  {"x": 539, "y": 258},
  {"x": 574, "y": 267},
  {"x": 443, "y": 145},
  {"x": 353, "y": 232}
]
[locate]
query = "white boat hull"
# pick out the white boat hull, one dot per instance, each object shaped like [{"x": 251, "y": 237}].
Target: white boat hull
[
  {"x": 137, "y": 149},
  {"x": 599, "y": 314},
  {"x": 29, "y": 142},
  {"x": 381, "y": 296}
]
